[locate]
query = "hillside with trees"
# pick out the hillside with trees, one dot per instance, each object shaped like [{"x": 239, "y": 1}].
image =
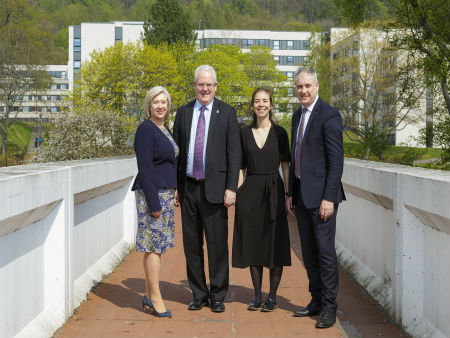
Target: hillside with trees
[{"x": 52, "y": 17}]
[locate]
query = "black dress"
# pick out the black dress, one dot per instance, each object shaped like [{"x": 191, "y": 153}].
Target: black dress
[{"x": 261, "y": 234}]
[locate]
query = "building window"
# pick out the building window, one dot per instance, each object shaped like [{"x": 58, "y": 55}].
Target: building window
[
  {"x": 290, "y": 45},
  {"x": 53, "y": 109},
  {"x": 77, "y": 64},
  {"x": 277, "y": 59},
  {"x": 290, "y": 91},
  {"x": 262, "y": 42},
  {"x": 64, "y": 86},
  {"x": 290, "y": 75},
  {"x": 290, "y": 61},
  {"x": 54, "y": 86},
  {"x": 118, "y": 33},
  {"x": 250, "y": 42},
  {"x": 77, "y": 42},
  {"x": 276, "y": 44}
]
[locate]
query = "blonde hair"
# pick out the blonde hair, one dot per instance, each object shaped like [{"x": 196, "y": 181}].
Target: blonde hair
[{"x": 151, "y": 94}]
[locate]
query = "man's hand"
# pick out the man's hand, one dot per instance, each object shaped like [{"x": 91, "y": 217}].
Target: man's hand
[
  {"x": 326, "y": 210},
  {"x": 156, "y": 214},
  {"x": 230, "y": 198},
  {"x": 289, "y": 207},
  {"x": 176, "y": 200}
]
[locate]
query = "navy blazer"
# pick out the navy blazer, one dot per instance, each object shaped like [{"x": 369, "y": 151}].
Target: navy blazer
[
  {"x": 223, "y": 149},
  {"x": 321, "y": 158},
  {"x": 156, "y": 163}
]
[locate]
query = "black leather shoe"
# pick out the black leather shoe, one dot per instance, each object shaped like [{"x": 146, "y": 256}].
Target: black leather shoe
[
  {"x": 326, "y": 320},
  {"x": 269, "y": 305},
  {"x": 217, "y": 306},
  {"x": 198, "y": 305},
  {"x": 255, "y": 304},
  {"x": 308, "y": 311}
]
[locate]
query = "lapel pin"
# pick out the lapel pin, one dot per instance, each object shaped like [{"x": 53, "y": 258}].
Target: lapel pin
[{"x": 217, "y": 111}]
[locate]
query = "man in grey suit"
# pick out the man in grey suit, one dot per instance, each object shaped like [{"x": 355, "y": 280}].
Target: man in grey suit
[
  {"x": 315, "y": 191},
  {"x": 207, "y": 134}
]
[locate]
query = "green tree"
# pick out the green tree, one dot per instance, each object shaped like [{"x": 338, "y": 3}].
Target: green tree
[
  {"x": 19, "y": 56},
  {"x": 169, "y": 22},
  {"x": 86, "y": 133},
  {"x": 419, "y": 26},
  {"x": 239, "y": 73},
  {"x": 356, "y": 12},
  {"x": 425, "y": 31},
  {"x": 119, "y": 77},
  {"x": 319, "y": 60},
  {"x": 373, "y": 94},
  {"x": 440, "y": 132}
]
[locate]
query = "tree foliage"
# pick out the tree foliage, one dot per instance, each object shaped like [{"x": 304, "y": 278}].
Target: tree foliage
[
  {"x": 319, "y": 60},
  {"x": 421, "y": 27},
  {"x": 169, "y": 22},
  {"x": 119, "y": 77},
  {"x": 116, "y": 80},
  {"x": 87, "y": 133},
  {"x": 424, "y": 28},
  {"x": 19, "y": 56},
  {"x": 52, "y": 17},
  {"x": 440, "y": 131}
]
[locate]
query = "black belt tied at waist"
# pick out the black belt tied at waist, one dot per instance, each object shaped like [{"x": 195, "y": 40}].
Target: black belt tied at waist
[{"x": 271, "y": 190}]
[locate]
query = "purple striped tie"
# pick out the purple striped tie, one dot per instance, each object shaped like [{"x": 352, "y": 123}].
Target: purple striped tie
[
  {"x": 298, "y": 144},
  {"x": 199, "y": 144}
]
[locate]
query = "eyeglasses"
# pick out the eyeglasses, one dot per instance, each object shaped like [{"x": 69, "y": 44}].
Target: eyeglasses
[{"x": 207, "y": 85}]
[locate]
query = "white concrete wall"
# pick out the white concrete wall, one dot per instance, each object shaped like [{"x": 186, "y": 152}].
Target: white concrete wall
[
  {"x": 393, "y": 235},
  {"x": 62, "y": 227}
]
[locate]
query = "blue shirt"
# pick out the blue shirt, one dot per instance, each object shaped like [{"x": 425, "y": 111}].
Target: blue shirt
[{"x": 195, "y": 116}]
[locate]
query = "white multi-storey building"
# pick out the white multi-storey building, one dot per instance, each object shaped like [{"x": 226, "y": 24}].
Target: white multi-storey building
[
  {"x": 289, "y": 49},
  {"x": 43, "y": 104},
  {"x": 369, "y": 74}
]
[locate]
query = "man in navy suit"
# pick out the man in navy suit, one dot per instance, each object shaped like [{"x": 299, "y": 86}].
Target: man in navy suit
[
  {"x": 207, "y": 134},
  {"x": 315, "y": 191}
]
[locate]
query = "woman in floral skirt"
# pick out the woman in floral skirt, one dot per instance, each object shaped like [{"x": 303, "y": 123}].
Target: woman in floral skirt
[{"x": 155, "y": 187}]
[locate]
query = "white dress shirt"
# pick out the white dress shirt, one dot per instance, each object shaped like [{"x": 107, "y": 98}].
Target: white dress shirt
[{"x": 195, "y": 116}]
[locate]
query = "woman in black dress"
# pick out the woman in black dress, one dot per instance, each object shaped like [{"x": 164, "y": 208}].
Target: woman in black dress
[{"x": 261, "y": 234}]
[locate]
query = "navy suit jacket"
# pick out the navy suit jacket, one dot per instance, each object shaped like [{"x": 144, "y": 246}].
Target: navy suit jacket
[
  {"x": 321, "y": 159},
  {"x": 156, "y": 163},
  {"x": 223, "y": 149}
]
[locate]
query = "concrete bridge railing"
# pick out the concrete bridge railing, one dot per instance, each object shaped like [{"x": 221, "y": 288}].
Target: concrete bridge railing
[
  {"x": 393, "y": 235},
  {"x": 62, "y": 227}
]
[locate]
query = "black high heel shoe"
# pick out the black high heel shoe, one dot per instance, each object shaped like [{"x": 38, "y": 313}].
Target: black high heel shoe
[{"x": 147, "y": 302}]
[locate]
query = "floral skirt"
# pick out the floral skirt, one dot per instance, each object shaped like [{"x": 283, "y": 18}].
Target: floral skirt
[{"x": 155, "y": 234}]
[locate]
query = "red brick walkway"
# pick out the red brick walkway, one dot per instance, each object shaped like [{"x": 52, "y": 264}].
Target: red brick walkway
[{"x": 114, "y": 310}]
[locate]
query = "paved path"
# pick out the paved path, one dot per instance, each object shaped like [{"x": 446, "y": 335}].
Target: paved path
[{"x": 114, "y": 309}]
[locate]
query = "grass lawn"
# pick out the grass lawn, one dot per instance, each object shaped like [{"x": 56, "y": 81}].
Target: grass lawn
[
  {"x": 398, "y": 154},
  {"x": 19, "y": 134}
]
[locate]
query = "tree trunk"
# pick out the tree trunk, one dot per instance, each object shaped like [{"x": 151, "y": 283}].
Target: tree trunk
[
  {"x": 6, "y": 153},
  {"x": 446, "y": 94},
  {"x": 367, "y": 152}
]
